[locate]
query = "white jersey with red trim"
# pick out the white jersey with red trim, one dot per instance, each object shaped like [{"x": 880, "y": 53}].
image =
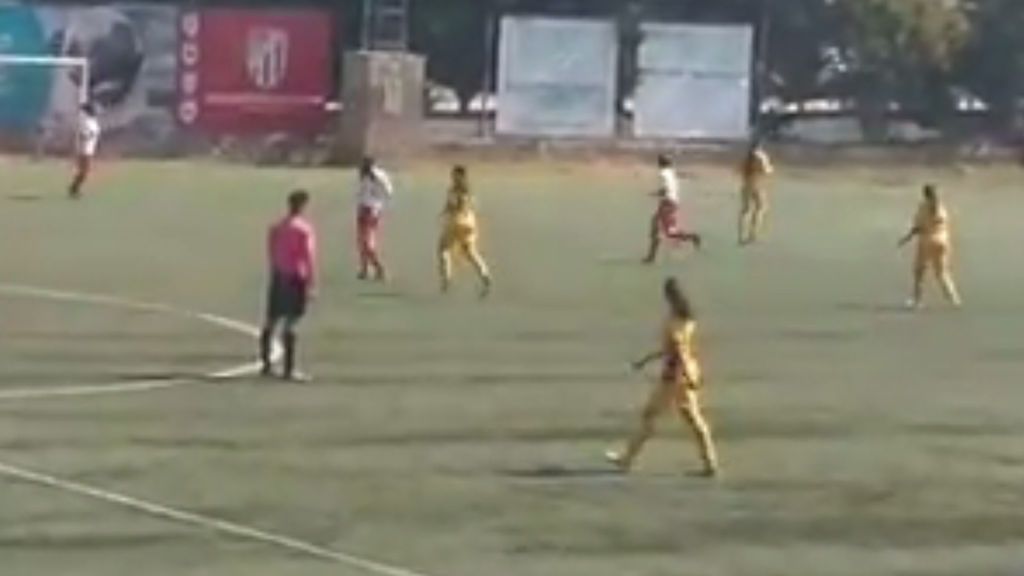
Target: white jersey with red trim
[
  {"x": 88, "y": 137},
  {"x": 668, "y": 185},
  {"x": 375, "y": 190}
]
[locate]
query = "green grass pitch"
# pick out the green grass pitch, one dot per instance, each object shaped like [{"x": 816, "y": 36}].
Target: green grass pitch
[{"x": 463, "y": 438}]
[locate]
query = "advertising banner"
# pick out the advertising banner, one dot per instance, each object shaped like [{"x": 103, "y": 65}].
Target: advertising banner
[
  {"x": 556, "y": 77},
  {"x": 131, "y": 50},
  {"x": 695, "y": 81},
  {"x": 255, "y": 71}
]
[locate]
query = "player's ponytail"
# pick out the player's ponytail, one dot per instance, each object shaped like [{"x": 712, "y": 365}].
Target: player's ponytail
[
  {"x": 677, "y": 300},
  {"x": 931, "y": 194},
  {"x": 366, "y": 168}
]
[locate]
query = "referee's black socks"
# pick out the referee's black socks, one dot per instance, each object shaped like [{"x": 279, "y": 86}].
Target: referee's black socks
[
  {"x": 289, "y": 353},
  {"x": 266, "y": 344}
]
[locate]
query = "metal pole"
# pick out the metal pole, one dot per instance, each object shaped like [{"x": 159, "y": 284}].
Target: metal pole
[
  {"x": 367, "y": 25},
  {"x": 488, "y": 79},
  {"x": 762, "y": 79}
]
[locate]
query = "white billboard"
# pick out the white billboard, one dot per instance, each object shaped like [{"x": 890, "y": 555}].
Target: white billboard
[
  {"x": 556, "y": 77},
  {"x": 694, "y": 81}
]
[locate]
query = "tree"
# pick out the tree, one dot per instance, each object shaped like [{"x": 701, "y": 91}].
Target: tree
[
  {"x": 902, "y": 52},
  {"x": 802, "y": 41},
  {"x": 993, "y": 64},
  {"x": 452, "y": 34}
]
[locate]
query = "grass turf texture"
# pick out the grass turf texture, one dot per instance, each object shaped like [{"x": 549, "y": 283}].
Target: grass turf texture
[{"x": 462, "y": 438}]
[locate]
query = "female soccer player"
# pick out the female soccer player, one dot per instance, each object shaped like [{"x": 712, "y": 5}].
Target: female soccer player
[
  {"x": 679, "y": 386},
  {"x": 665, "y": 221},
  {"x": 373, "y": 194},
  {"x": 459, "y": 232},
  {"x": 87, "y": 140},
  {"x": 753, "y": 196},
  {"x": 934, "y": 247}
]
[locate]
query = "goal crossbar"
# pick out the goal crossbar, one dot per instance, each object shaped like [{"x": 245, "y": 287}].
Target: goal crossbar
[{"x": 68, "y": 61}]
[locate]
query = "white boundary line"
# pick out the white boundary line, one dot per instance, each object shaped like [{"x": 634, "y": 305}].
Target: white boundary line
[
  {"x": 125, "y": 387},
  {"x": 152, "y": 508},
  {"x": 208, "y": 522}
]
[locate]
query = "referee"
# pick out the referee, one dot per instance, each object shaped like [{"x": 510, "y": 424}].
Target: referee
[{"x": 291, "y": 250}]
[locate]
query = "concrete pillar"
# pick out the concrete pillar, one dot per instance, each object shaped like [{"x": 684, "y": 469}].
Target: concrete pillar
[{"x": 382, "y": 98}]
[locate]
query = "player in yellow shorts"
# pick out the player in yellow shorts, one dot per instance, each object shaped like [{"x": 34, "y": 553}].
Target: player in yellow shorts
[
  {"x": 459, "y": 233},
  {"x": 679, "y": 386},
  {"x": 756, "y": 166},
  {"x": 934, "y": 247}
]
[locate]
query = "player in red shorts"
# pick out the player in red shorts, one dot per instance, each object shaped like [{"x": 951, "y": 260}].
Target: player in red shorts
[
  {"x": 665, "y": 221},
  {"x": 87, "y": 140},
  {"x": 374, "y": 193}
]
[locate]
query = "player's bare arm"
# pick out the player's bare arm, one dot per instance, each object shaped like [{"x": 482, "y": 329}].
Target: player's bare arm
[
  {"x": 910, "y": 235},
  {"x": 642, "y": 362}
]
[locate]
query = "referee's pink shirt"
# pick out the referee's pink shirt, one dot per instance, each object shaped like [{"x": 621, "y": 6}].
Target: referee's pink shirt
[{"x": 291, "y": 246}]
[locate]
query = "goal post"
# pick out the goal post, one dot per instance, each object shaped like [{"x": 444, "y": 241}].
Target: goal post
[
  {"x": 43, "y": 105},
  {"x": 81, "y": 64}
]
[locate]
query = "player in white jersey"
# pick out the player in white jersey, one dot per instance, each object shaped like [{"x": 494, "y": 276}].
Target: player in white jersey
[
  {"x": 373, "y": 194},
  {"x": 665, "y": 221},
  {"x": 87, "y": 141}
]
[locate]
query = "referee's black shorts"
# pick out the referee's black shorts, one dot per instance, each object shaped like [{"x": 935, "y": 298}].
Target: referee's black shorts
[{"x": 287, "y": 297}]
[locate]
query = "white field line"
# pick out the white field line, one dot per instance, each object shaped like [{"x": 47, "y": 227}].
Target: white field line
[
  {"x": 152, "y": 508},
  {"x": 207, "y": 522},
  {"x": 125, "y": 387}
]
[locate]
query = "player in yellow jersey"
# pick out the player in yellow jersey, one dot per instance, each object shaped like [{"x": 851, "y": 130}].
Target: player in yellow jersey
[
  {"x": 934, "y": 247},
  {"x": 679, "y": 386},
  {"x": 756, "y": 166},
  {"x": 459, "y": 232}
]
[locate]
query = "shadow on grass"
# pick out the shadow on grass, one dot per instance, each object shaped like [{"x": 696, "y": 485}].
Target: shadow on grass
[
  {"x": 634, "y": 261},
  {"x": 382, "y": 295},
  {"x": 817, "y": 334},
  {"x": 873, "y": 308},
  {"x": 148, "y": 376},
  {"x": 25, "y": 197},
  {"x": 556, "y": 472}
]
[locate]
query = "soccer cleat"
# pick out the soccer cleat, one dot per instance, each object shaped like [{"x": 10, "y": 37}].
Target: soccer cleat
[
  {"x": 698, "y": 241},
  {"x": 913, "y": 304},
  {"x": 485, "y": 287},
  {"x": 707, "y": 472},
  {"x": 618, "y": 460},
  {"x": 297, "y": 377}
]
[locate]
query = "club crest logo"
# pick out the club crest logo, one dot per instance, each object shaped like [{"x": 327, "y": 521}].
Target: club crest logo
[{"x": 267, "y": 61}]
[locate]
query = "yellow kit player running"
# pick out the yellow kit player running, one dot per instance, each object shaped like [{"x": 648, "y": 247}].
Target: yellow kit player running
[
  {"x": 756, "y": 166},
  {"x": 679, "y": 386},
  {"x": 934, "y": 247},
  {"x": 459, "y": 232}
]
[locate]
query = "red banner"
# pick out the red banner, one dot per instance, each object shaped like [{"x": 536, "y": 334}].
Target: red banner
[{"x": 255, "y": 71}]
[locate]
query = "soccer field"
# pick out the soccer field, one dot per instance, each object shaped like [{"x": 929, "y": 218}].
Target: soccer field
[{"x": 447, "y": 436}]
